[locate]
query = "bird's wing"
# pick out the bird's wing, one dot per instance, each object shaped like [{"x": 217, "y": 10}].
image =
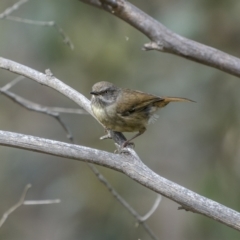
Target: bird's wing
[{"x": 135, "y": 101}]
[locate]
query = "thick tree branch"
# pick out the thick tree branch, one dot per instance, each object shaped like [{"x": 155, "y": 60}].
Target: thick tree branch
[
  {"x": 131, "y": 167},
  {"x": 164, "y": 40}
]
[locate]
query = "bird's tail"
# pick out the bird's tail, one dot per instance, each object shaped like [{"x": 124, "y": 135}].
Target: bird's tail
[{"x": 167, "y": 100}]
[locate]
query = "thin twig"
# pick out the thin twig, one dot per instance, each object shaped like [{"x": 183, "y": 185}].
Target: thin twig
[
  {"x": 33, "y": 106},
  {"x": 47, "y": 108},
  {"x": 152, "y": 210},
  {"x": 41, "y": 202},
  {"x": 14, "y": 207},
  {"x": 8, "y": 11},
  {"x": 23, "y": 202},
  {"x": 4, "y": 90},
  {"x": 12, "y": 83},
  {"x": 11, "y": 9},
  {"x": 38, "y": 108},
  {"x": 68, "y": 110},
  {"x": 125, "y": 204},
  {"x": 64, "y": 36}
]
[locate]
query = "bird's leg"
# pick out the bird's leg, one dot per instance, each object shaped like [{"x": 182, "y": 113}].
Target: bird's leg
[{"x": 129, "y": 141}]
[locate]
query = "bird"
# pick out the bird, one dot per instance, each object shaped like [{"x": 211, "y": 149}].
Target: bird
[{"x": 125, "y": 110}]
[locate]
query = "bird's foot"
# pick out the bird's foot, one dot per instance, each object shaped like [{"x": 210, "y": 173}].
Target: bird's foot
[{"x": 107, "y": 136}]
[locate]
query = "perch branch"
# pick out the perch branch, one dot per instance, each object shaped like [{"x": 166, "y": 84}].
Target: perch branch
[{"x": 136, "y": 170}]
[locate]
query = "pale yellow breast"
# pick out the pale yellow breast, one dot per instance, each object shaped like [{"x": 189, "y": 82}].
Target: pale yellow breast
[
  {"x": 111, "y": 120},
  {"x": 99, "y": 113}
]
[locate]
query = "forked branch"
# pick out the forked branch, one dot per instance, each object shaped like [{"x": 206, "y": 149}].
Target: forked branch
[{"x": 22, "y": 201}]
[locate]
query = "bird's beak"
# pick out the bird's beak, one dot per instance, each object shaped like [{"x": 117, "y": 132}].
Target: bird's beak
[{"x": 93, "y": 93}]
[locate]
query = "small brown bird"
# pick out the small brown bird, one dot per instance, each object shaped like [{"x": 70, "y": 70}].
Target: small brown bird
[{"x": 125, "y": 110}]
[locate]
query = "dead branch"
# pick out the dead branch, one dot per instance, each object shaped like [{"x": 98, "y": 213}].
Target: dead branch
[{"x": 132, "y": 168}]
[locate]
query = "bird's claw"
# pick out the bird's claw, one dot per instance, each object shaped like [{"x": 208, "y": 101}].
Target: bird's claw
[
  {"x": 128, "y": 144},
  {"x": 124, "y": 148},
  {"x": 122, "y": 151}
]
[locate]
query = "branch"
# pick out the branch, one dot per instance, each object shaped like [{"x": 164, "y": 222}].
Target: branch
[
  {"x": 164, "y": 40},
  {"x": 23, "y": 202},
  {"x": 131, "y": 167}
]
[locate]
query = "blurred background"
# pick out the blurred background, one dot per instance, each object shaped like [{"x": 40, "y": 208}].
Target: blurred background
[{"x": 193, "y": 144}]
